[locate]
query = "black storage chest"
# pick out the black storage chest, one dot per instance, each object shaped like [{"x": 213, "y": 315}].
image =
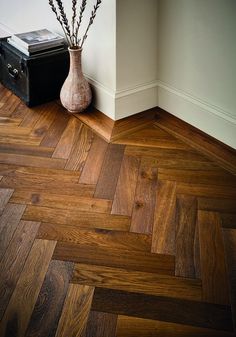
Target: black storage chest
[{"x": 35, "y": 79}]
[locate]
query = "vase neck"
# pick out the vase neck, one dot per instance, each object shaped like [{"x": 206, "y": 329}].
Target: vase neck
[{"x": 75, "y": 60}]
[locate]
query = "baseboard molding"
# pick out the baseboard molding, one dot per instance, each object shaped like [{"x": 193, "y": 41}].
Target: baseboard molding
[
  {"x": 123, "y": 103},
  {"x": 210, "y": 119},
  {"x": 137, "y": 99},
  {"x": 103, "y": 98}
]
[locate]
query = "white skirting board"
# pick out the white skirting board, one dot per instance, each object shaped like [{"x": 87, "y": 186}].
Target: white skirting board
[
  {"x": 210, "y": 119},
  {"x": 124, "y": 103}
]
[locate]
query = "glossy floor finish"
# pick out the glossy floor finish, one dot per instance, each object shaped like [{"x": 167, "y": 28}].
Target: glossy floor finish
[{"x": 127, "y": 239}]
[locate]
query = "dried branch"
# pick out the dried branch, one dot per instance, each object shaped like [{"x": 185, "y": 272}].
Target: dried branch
[
  {"x": 71, "y": 33},
  {"x": 58, "y": 19},
  {"x": 92, "y": 17},
  {"x": 64, "y": 20},
  {"x": 74, "y": 14},
  {"x": 82, "y": 9}
]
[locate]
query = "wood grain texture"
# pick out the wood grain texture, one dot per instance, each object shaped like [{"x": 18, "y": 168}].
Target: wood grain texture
[
  {"x": 107, "y": 181},
  {"x": 156, "y": 263},
  {"x": 139, "y": 282},
  {"x": 214, "y": 280},
  {"x": 68, "y": 139},
  {"x": 75, "y": 313},
  {"x": 125, "y": 214},
  {"x": 80, "y": 149},
  {"x": 153, "y": 137},
  {"x": 18, "y": 159},
  {"x": 70, "y": 202},
  {"x": 163, "y": 234},
  {"x": 126, "y": 186},
  {"x": 50, "y": 181},
  {"x": 211, "y": 191},
  {"x": 76, "y": 218},
  {"x": 229, "y": 236},
  {"x": 221, "y": 153},
  {"x": 48, "y": 308},
  {"x": 133, "y": 326},
  {"x": 54, "y": 132},
  {"x": 101, "y": 324},
  {"x": 96, "y": 237},
  {"x": 13, "y": 261},
  {"x": 20, "y": 307},
  {"x": 187, "y": 246},
  {"x": 198, "y": 314},
  {"x": 212, "y": 177},
  {"x": 94, "y": 161},
  {"x": 31, "y": 150},
  {"x": 5, "y": 195},
  {"x": 8, "y": 223},
  {"x": 145, "y": 198}
]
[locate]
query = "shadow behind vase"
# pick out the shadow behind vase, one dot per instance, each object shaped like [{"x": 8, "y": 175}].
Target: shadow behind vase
[{"x": 75, "y": 93}]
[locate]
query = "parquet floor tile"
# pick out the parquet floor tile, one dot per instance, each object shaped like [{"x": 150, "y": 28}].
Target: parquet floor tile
[{"x": 136, "y": 238}]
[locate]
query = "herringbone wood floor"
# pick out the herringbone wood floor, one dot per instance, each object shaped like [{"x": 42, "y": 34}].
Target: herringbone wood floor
[{"x": 134, "y": 238}]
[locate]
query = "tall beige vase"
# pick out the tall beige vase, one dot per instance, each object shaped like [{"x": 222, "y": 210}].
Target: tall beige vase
[{"x": 75, "y": 93}]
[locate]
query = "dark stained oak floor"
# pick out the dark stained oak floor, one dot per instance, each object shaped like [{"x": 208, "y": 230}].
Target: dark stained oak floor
[{"x": 135, "y": 238}]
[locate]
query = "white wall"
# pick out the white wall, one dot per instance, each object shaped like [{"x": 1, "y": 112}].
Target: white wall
[
  {"x": 99, "y": 54},
  {"x": 197, "y": 64},
  {"x": 136, "y": 55}
]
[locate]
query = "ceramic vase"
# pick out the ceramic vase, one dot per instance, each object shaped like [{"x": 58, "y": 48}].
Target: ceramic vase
[{"x": 75, "y": 93}]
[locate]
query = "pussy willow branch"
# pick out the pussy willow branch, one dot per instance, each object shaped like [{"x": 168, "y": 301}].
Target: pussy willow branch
[
  {"x": 82, "y": 9},
  {"x": 72, "y": 34},
  {"x": 74, "y": 14},
  {"x": 92, "y": 17},
  {"x": 64, "y": 19},
  {"x": 59, "y": 19}
]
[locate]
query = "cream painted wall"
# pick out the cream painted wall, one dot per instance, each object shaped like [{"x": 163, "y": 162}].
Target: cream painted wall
[
  {"x": 136, "y": 55},
  {"x": 197, "y": 64}
]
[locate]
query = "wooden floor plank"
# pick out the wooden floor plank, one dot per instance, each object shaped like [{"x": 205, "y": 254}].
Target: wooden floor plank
[
  {"x": 5, "y": 195},
  {"x": 221, "y": 153},
  {"x": 212, "y": 191},
  {"x": 48, "y": 308},
  {"x": 145, "y": 198},
  {"x": 117, "y": 258},
  {"x": 19, "y": 159},
  {"x": 49, "y": 182},
  {"x": 212, "y": 259},
  {"x": 138, "y": 282},
  {"x": 68, "y": 139},
  {"x": 198, "y": 314},
  {"x": 77, "y": 218},
  {"x": 124, "y": 197},
  {"x": 217, "y": 204},
  {"x": 75, "y": 313},
  {"x": 98, "y": 237},
  {"x": 163, "y": 234},
  {"x": 229, "y": 236},
  {"x": 110, "y": 170},
  {"x": 13, "y": 261},
  {"x": 101, "y": 324},
  {"x": 207, "y": 177},
  {"x": 80, "y": 149},
  {"x": 8, "y": 223},
  {"x": 56, "y": 129},
  {"x": 61, "y": 201},
  {"x": 45, "y": 120},
  {"x": 94, "y": 161},
  {"x": 186, "y": 243},
  {"x": 133, "y": 326},
  {"x": 28, "y": 150},
  {"x": 152, "y": 137},
  {"x": 20, "y": 307}
]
